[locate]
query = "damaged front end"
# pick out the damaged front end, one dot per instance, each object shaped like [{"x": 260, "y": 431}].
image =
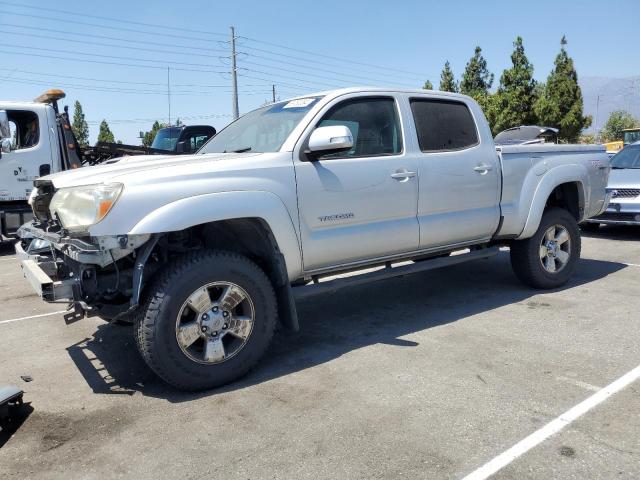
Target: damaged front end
[{"x": 96, "y": 275}]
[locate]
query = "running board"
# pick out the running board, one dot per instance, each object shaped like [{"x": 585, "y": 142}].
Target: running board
[{"x": 389, "y": 271}]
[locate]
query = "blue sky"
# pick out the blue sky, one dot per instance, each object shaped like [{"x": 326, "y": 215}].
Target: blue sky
[{"x": 393, "y": 43}]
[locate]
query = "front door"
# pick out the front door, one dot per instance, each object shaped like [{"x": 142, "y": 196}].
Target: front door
[
  {"x": 459, "y": 175},
  {"x": 360, "y": 204},
  {"x": 29, "y": 157}
]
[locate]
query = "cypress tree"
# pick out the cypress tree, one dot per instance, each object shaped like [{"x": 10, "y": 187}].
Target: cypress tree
[
  {"x": 516, "y": 94},
  {"x": 105, "y": 134},
  {"x": 476, "y": 79},
  {"x": 447, "y": 80},
  {"x": 560, "y": 104},
  {"x": 79, "y": 125},
  {"x": 428, "y": 85}
]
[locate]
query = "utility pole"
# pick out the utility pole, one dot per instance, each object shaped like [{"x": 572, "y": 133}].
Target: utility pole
[
  {"x": 234, "y": 77},
  {"x": 273, "y": 93},
  {"x": 169, "y": 95},
  {"x": 596, "y": 123}
]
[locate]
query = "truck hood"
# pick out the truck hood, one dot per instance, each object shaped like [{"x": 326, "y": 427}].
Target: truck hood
[
  {"x": 120, "y": 169},
  {"x": 624, "y": 178}
]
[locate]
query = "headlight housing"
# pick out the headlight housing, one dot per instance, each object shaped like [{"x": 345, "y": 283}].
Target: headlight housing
[{"x": 80, "y": 207}]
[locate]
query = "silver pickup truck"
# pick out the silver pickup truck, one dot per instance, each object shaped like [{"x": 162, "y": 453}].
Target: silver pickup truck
[{"x": 206, "y": 254}]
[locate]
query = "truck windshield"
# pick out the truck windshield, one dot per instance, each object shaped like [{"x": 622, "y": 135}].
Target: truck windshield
[
  {"x": 166, "y": 139},
  {"x": 628, "y": 157},
  {"x": 262, "y": 130}
]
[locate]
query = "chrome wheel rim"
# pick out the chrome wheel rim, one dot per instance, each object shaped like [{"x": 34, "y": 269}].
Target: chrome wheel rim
[
  {"x": 555, "y": 249},
  {"x": 215, "y": 322}
]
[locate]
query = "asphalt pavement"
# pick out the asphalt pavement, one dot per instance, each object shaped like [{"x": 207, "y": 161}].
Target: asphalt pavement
[{"x": 433, "y": 375}]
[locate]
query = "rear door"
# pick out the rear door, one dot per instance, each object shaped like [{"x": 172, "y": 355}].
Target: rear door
[
  {"x": 360, "y": 204},
  {"x": 459, "y": 175}
]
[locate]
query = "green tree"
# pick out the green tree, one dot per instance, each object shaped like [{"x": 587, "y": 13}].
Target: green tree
[
  {"x": 79, "y": 125},
  {"x": 147, "y": 138},
  {"x": 560, "y": 103},
  {"x": 447, "y": 79},
  {"x": 428, "y": 85},
  {"x": 618, "y": 121},
  {"x": 476, "y": 79},
  {"x": 105, "y": 134},
  {"x": 516, "y": 94}
]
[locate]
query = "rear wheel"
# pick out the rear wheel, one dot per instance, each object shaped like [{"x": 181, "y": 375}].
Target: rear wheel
[
  {"x": 208, "y": 319},
  {"x": 549, "y": 257}
]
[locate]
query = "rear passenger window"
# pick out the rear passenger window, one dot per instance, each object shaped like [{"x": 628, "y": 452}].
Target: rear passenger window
[
  {"x": 443, "y": 125},
  {"x": 374, "y": 124}
]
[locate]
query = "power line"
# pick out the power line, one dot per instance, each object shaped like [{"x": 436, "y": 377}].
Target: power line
[
  {"x": 57, "y": 57},
  {"x": 297, "y": 71},
  {"x": 28, "y": 81},
  {"x": 100, "y": 44},
  {"x": 129, "y": 82},
  {"x": 313, "y": 61},
  {"x": 304, "y": 88},
  {"x": 110, "y": 19},
  {"x": 149, "y": 120},
  {"x": 117, "y": 57},
  {"x": 96, "y": 25},
  {"x": 309, "y": 67},
  {"x": 108, "y": 37},
  {"x": 261, "y": 72},
  {"x": 387, "y": 69}
]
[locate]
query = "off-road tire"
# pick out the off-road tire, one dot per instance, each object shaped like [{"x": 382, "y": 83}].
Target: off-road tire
[
  {"x": 155, "y": 328},
  {"x": 525, "y": 254}
]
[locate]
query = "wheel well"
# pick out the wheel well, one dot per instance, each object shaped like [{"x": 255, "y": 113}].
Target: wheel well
[
  {"x": 251, "y": 237},
  {"x": 569, "y": 196}
]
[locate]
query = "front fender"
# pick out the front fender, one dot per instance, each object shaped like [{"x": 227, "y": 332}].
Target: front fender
[
  {"x": 212, "y": 207},
  {"x": 552, "y": 178}
]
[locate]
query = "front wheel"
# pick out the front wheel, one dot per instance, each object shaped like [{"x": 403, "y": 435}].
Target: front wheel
[
  {"x": 208, "y": 319},
  {"x": 548, "y": 258}
]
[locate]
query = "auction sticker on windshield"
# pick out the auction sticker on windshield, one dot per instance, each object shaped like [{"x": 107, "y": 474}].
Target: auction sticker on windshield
[{"x": 300, "y": 103}]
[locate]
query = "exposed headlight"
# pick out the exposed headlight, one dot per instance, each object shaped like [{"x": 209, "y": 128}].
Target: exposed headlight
[
  {"x": 32, "y": 196},
  {"x": 81, "y": 207}
]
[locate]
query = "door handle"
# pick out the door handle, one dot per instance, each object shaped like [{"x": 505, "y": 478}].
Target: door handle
[
  {"x": 403, "y": 175},
  {"x": 483, "y": 168}
]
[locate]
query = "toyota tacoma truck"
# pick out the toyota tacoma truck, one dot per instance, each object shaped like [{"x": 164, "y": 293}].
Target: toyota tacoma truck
[{"x": 207, "y": 254}]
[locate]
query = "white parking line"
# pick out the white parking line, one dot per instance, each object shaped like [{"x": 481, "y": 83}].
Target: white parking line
[
  {"x": 32, "y": 316},
  {"x": 553, "y": 427},
  {"x": 632, "y": 264}
]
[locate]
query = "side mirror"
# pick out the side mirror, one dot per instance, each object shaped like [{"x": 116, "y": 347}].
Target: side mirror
[
  {"x": 330, "y": 139},
  {"x": 5, "y": 144},
  {"x": 5, "y": 131},
  {"x": 181, "y": 147}
]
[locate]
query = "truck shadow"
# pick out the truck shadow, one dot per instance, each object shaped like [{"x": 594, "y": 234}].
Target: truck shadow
[
  {"x": 333, "y": 325},
  {"x": 615, "y": 232},
  {"x": 7, "y": 248}
]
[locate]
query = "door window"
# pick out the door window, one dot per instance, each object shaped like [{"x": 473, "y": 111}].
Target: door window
[
  {"x": 196, "y": 141},
  {"x": 25, "y": 131},
  {"x": 374, "y": 124},
  {"x": 443, "y": 125}
]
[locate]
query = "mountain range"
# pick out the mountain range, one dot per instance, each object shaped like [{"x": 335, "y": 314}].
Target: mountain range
[{"x": 603, "y": 95}]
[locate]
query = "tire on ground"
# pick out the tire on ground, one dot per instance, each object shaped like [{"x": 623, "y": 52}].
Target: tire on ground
[
  {"x": 155, "y": 329},
  {"x": 526, "y": 254}
]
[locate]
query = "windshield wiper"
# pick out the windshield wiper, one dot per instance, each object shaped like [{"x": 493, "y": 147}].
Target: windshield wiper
[{"x": 240, "y": 150}]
